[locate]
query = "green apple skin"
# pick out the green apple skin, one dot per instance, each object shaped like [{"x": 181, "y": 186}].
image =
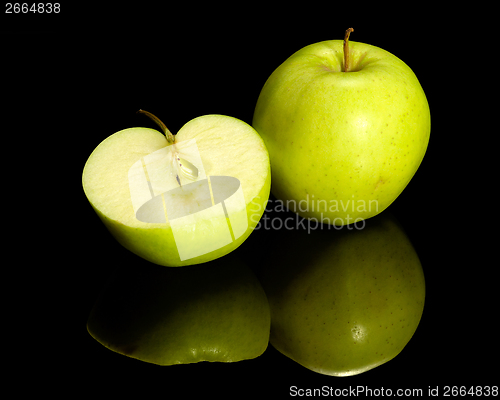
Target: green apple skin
[
  {"x": 348, "y": 304},
  {"x": 343, "y": 145},
  {"x": 215, "y": 312},
  {"x": 227, "y": 146}
]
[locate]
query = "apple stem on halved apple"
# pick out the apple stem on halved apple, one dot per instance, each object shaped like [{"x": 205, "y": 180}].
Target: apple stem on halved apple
[
  {"x": 170, "y": 137},
  {"x": 177, "y": 163},
  {"x": 346, "y": 49}
]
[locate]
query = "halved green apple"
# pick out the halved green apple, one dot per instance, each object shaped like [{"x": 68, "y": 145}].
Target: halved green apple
[{"x": 184, "y": 199}]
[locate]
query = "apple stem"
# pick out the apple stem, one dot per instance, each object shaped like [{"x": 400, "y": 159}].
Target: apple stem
[
  {"x": 346, "y": 49},
  {"x": 168, "y": 134}
]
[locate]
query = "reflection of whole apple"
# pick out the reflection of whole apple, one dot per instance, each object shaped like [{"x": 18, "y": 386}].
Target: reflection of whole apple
[
  {"x": 212, "y": 312},
  {"x": 348, "y": 304},
  {"x": 180, "y": 200},
  {"x": 343, "y": 144}
]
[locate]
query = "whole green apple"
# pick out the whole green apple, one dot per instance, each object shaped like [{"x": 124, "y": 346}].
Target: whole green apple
[
  {"x": 183, "y": 199},
  {"x": 343, "y": 144},
  {"x": 217, "y": 311},
  {"x": 348, "y": 304}
]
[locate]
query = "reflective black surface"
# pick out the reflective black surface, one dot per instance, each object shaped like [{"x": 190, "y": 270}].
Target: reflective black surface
[{"x": 78, "y": 85}]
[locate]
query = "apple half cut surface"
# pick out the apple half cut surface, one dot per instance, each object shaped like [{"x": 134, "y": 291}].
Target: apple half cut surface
[{"x": 184, "y": 199}]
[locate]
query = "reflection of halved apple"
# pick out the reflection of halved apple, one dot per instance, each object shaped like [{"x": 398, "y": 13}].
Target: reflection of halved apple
[
  {"x": 212, "y": 312},
  {"x": 180, "y": 200}
]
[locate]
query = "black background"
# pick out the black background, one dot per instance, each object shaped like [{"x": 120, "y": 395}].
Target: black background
[{"x": 73, "y": 79}]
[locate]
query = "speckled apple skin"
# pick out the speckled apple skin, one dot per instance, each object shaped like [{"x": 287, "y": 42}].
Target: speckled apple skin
[{"x": 343, "y": 146}]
